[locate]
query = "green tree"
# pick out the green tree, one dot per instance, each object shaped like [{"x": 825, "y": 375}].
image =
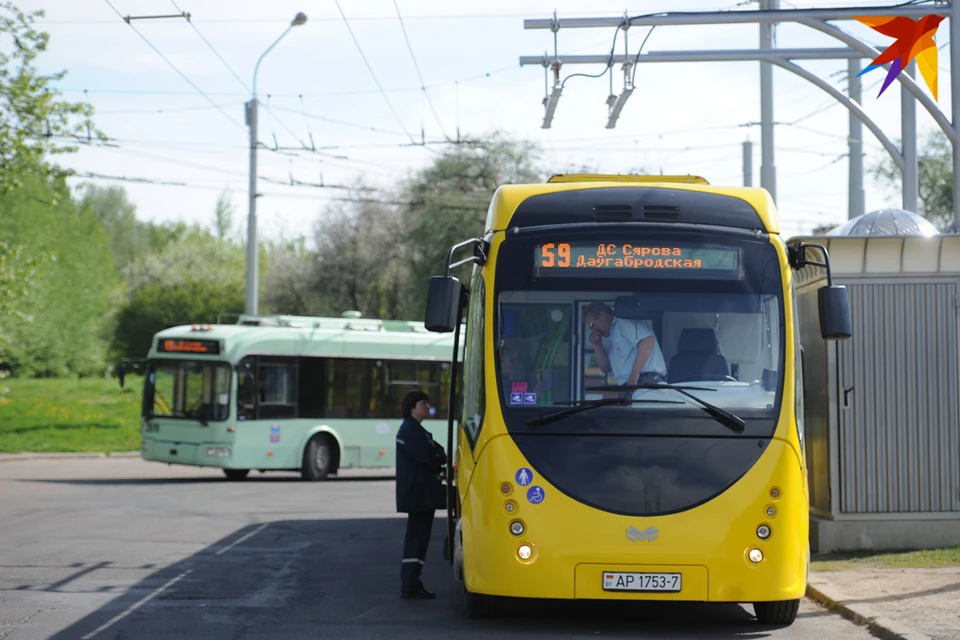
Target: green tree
[
  {"x": 128, "y": 236},
  {"x": 223, "y": 217},
  {"x": 194, "y": 279},
  {"x": 450, "y": 199},
  {"x": 61, "y": 325},
  {"x": 360, "y": 265},
  {"x": 935, "y": 178},
  {"x": 34, "y": 120},
  {"x": 291, "y": 281},
  {"x": 158, "y": 306}
]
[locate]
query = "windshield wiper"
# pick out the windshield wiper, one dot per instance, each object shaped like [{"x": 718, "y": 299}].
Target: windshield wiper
[
  {"x": 733, "y": 422},
  {"x": 584, "y": 405}
]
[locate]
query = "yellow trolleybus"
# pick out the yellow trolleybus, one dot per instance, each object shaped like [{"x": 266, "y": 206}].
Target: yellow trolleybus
[{"x": 583, "y": 471}]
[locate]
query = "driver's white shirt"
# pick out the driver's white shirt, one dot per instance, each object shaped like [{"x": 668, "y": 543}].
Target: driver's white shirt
[{"x": 621, "y": 348}]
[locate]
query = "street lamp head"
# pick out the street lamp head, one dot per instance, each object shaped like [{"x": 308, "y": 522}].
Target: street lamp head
[{"x": 300, "y": 19}]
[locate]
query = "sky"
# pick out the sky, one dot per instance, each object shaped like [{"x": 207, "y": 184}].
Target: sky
[{"x": 342, "y": 100}]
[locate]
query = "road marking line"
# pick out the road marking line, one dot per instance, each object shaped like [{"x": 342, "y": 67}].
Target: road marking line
[{"x": 147, "y": 598}]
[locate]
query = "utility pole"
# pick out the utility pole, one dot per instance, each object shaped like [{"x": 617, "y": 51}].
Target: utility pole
[
  {"x": 955, "y": 103},
  {"x": 856, "y": 197},
  {"x": 747, "y": 163},
  {"x": 908, "y": 128},
  {"x": 252, "y": 302},
  {"x": 252, "y": 296},
  {"x": 768, "y": 170}
]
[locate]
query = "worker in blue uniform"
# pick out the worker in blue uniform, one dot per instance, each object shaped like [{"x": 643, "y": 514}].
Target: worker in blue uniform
[{"x": 420, "y": 490}]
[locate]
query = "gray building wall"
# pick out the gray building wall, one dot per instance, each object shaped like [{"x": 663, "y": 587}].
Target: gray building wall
[{"x": 882, "y": 409}]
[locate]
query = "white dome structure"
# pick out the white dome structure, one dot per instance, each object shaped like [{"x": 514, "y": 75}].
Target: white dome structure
[{"x": 887, "y": 222}]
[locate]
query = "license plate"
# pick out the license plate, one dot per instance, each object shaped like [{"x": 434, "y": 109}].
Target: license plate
[{"x": 623, "y": 581}]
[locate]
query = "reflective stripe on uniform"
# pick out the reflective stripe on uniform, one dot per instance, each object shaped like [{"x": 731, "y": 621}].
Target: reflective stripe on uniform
[
  {"x": 411, "y": 560},
  {"x": 401, "y": 441}
]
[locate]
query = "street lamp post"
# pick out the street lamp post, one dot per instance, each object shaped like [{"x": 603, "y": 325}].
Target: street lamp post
[{"x": 252, "y": 301}]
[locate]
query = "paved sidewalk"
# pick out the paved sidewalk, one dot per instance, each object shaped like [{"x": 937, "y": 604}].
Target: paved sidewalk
[
  {"x": 14, "y": 457},
  {"x": 912, "y": 604}
]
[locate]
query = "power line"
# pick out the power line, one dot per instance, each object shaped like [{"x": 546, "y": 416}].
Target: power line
[
  {"x": 211, "y": 47},
  {"x": 174, "y": 67},
  {"x": 372, "y": 74},
  {"x": 325, "y": 94},
  {"x": 417, "y": 67}
]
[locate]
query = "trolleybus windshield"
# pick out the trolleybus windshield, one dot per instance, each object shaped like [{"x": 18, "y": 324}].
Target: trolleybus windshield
[
  {"x": 572, "y": 310},
  {"x": 190, "y": 389},
  {"x": 707, "y": 308}
]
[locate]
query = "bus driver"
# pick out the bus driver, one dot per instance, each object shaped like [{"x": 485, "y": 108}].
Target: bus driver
[{"x": 626, "y": 347}]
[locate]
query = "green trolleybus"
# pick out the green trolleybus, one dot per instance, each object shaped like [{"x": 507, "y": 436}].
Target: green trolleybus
[{"x": 288, "y": 393}]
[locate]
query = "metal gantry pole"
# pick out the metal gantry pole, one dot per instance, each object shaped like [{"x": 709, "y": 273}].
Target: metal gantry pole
[
  {"x": 955, "y": 102},
  {"x": 856, "y": 197},
  {"x": 908, "y": 129},
  {"x": 747, "y": 163},
  {"x": 768, "y": 170},
  {"x": 252, "y": 303}
]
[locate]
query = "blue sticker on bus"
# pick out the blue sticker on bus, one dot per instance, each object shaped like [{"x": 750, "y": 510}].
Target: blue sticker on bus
[
  {"x": 274, "y": 433},
  {"x": 524, "y": 476},
  {"x": 516, "y": 398},
  {"x": 529, "y": 398},
  {"x": 535, "y": 494}
]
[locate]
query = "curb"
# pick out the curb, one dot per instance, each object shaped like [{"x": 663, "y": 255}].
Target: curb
[
  {"x": 878, "y": 625},
  {"x": 17, "y": 457}
]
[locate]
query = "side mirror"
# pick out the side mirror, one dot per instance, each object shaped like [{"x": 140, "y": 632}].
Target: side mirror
[
  {"x": 835, "y": 321},
  {"x": 443, "y": 303}
]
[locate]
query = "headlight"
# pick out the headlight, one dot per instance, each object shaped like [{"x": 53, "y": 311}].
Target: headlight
[
  {"x": 755, "y": 555},
  {"x": 524, "y": 552},
  {"x": 763, "y": 532},
  {"x": 516, "y": 528}
]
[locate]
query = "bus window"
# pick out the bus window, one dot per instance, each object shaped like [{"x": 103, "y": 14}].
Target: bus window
[
  {"x": 404, "y": 376},
  {"x": 354, "y": 388},
  {"x": 246, "y": 390},
  {"x": 535, "y": 353},
  {"x": 310, "y": 388},
  {"x": 277, "y": 388}
]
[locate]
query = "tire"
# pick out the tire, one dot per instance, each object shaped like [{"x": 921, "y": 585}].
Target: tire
[
  {"x": 778, "y": 613},
  {"x": 236, "y": 474},
  {"x": 479, "y": 605},
  {"x": 319, "y": 458}
]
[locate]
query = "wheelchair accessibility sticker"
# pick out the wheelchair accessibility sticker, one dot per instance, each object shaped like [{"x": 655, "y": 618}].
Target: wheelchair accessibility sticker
[
  {"x": 535, "y": 494},
  {"x": 274, "y": 433}
]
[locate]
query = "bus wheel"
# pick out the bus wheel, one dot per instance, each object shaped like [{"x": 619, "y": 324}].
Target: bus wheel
[
  {"x": 479, "y": 605},
  {"x": 236, "y": 474},
  {"x": 318, "y": 458},
  {"x": 781, "y": 612}
]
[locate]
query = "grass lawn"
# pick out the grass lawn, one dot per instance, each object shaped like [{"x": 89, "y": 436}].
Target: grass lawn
[
  {"x": 927, "y": 559},
  {"x": 70, "y": 415}
]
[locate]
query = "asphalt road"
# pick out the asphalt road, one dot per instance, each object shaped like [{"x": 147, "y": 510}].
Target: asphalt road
[{"x": 123, "y": 549}]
